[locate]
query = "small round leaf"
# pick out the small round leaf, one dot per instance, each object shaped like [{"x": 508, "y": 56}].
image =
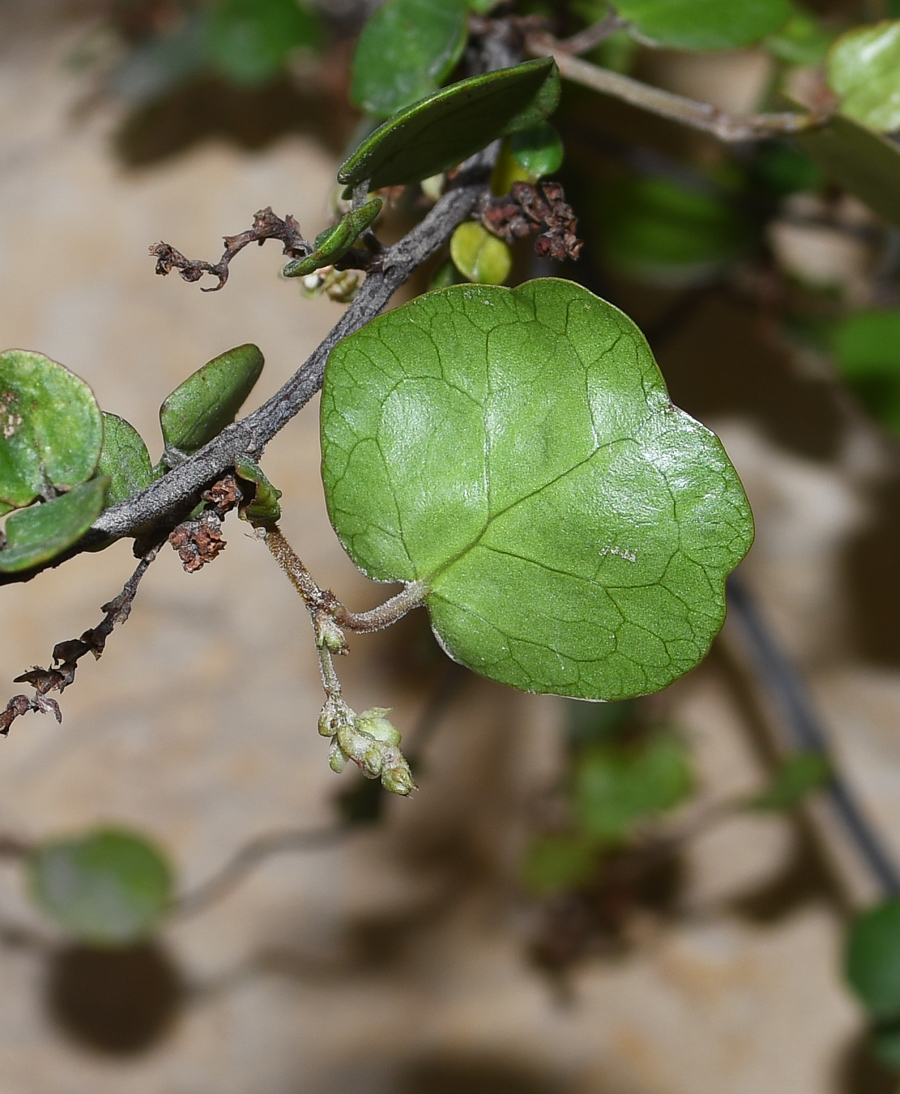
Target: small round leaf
[
  {"x": 516, "y": 451},
  {"x": 50, "y": 427},
  {"x": 40, "y": 532},
  {"x": 208, "y": 400},
  {"x": 873, "y": 959},
  {"x": 480, "y": 256},
  {"x": 864, "y": 71},
  {"x": 404, "y": 51},
  {"x": 107, "y": 887},
  {"x": 539, "y": 150}
]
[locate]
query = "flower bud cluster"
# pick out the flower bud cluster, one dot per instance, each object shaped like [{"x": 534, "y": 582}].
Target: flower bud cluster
[{"x": 369, "y": 740}]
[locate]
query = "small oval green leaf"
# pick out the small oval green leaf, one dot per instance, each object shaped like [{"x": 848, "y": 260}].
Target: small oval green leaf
[
  {"x": 124, "y": 459},
  {"x": 42, "y": 531},
  {"x": 445, "y": 128},
  {"x": 51, "y": 431},
  {"x": 705, "y": 24},
  {"x": 404, "y": 51},
  {"x": 108, "y": 887},
  {"x": 538, "y": 150},
  {"x": 873, "y": 959},
  {"x": 263, "y": 508},
  {"x": 796, "y": 778},
  {"x": 332, "y": 244},
  {"x": 208, "y": 400},
  {"x": 516, "y": 451},
  {"x": 864, "y": 71},
  {"x": 615, "y": 787},
  {"x": 860, "y": 160},
  {"x": 479, "y": 256}
]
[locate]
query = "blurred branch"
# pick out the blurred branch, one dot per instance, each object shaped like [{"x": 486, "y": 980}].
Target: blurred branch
[
  {"x": 806, "y": 730},
  {"x": 666, "y": 104}
]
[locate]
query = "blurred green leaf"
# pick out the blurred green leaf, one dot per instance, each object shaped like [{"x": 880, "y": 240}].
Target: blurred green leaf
[
  {"x": 250, "y": 40},
  {"x": 860, "y": 160},
  {"x": 538, "y": 150},
  {"x": 480, "y": 256},
  {"x": 598, "y": 723},
  {"x": 124, "y": 459},
  {"x": 404, "y": 52},
  {"x": 659, "y": 231},
  {"x": 872, "y": 962},
  {"x": 866, "y": 350},
  {"x": 51, "y": 431},
  {"x": 332, "y": 244},
  {"x": 784, "y": 169},
  {"x": 864, "y": 72},
  {"x": 616, "y": 787},
  {"x": 263, "y": 508},
  {"x": 705, "y": 24},
  {"x": 801, "y": 41},
  {"x": 555, "y": 863},
  {"x": 208, "y": 400},
  {"x": 796, "y": 778},
  {"x": 107, "y": 888},
  {"x": 42, "y": 531},
  {"x": 885, "y": 1045},
  {"x": 445, "y": 128}
]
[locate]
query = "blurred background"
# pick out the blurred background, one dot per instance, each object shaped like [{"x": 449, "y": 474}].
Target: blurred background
[{"x": 682, "y": 937}]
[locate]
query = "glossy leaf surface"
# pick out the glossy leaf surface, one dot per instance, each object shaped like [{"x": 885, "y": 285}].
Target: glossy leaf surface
[
  {"x": 42, "y": 531},
  {"x": 705, "y": 24},
  {"x": 332, "y": 244},
  {"x": 873, "y": 959},
  {"x": 208, "y": 400},
  {"x": 124, "y": 459},
  {"x": 864, "y": 71},
  {"x": 616, "y": 787},
  {"x": 108, "y": 887},
  {"x": 516, "y": 450},
  {"x": 539, "y": 150},
  {"x": 860, "y": 160},
  {"x": 480, "y": 256},
  {"x": 50, "y": 427},
  {"x": 445, "y": 128},
  {"x": 404, "y": 51}
]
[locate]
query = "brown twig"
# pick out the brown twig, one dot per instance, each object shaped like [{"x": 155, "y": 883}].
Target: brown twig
[
  {"x": 698, "y": 115},
  {"x": 66, "y": 655},
  {"x": 266, "y": 225}
]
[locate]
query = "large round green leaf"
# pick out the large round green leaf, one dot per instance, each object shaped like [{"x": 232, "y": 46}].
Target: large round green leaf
[
  {"x": 108, "y": 887},
  {"x": 873, "y": 959},
  {"x": 43, "y": 531},
  {"x": 404, "y": 51},
  {"x": 516, "y": 451},
  {"x": 50, "y": 427},
  {"x": 864, "y": 70},
  {"x": 445, "y": 128},
  {"x": 705, "y": 24}
]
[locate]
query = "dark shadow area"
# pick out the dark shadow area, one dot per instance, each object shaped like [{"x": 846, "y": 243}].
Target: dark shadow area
[
  {"x": 252, "y": 118},
  {"x": 858, "y": 1072},
  {"x": 115, "y": 1001},
  {"x": 440, "y": 1074},
  {"x": 803, "y": 880},
  {"x": 872, "y": 579}
]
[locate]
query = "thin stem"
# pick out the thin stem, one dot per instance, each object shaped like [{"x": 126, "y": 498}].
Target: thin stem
[
  {"x": 593, "y": 35},
  {"x": 287, "y": 558},
  {"x": 698, "y": 115},
  {"x": 411, "y": 596}
]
